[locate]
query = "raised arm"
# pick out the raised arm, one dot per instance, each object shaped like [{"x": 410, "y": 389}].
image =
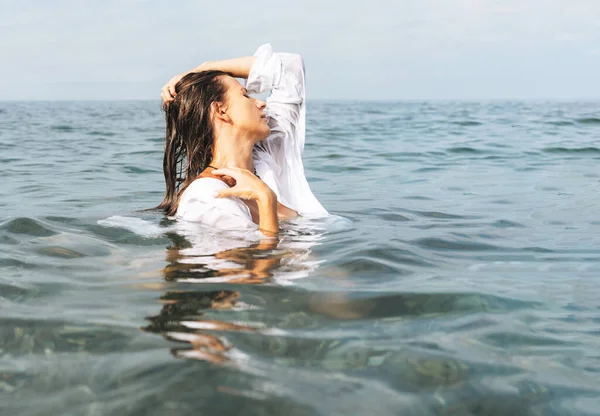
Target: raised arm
[
  {"x": 280, "y": 73},
  {"x": 238, "y": 67}
]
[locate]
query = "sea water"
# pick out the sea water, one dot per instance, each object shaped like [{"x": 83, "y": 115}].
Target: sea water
[{"x": 458, "y": 273}]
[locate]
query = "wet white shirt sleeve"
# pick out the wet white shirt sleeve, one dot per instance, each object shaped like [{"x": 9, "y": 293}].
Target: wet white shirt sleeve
[
  {"x": 198, "y": 204},
  {"x": 278, "y": 159}
]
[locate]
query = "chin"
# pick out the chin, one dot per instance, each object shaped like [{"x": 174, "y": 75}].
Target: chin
[{"x": 264, "y": 133}]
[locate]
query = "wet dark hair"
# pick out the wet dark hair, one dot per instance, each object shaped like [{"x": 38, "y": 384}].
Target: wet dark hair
[{"x": 189, "y": 132}]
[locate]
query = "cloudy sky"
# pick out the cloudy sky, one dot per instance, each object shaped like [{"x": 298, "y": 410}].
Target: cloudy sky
[{"x": 375, "y": 49}]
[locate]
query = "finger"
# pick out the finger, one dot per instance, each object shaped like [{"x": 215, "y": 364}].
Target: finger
[
  {"x": 171, "y": 90},
  {"x": 231, "y": 182},
  {"x": 225, "y": 193},
  {"x": 167, "y": 97}
]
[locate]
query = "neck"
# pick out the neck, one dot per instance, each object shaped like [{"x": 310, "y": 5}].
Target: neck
[{"x": 232, "y": 152}]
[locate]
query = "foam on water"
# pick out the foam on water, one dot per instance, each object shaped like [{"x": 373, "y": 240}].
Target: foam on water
[{"x": 136, "y": 225}]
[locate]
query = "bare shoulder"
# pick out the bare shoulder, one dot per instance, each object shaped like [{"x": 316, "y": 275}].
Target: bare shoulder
[
  {"x": 229, "y": 181},
  {"x": 204, "y": 185}
]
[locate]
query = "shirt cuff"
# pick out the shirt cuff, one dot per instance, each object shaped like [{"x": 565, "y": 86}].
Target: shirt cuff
[{"x": 262, "y": 73}]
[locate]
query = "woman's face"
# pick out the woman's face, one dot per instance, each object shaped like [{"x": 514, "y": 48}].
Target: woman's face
[{"x": 245, "y": 112}]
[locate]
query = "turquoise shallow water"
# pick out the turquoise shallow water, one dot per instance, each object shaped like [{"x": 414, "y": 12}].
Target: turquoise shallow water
[{"x": 459, "y": 275}]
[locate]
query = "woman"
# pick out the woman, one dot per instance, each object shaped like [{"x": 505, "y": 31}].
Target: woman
[{"x": 217, "y": 136}]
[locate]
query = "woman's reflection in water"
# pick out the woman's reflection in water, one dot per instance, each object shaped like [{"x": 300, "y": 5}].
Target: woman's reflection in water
[
  {"x": 251, "y": 265},
  {"x": 181, "y": 316},
  {"x": 191, "y": 316}
]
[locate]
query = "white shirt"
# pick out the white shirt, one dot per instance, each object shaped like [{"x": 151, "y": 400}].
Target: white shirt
[{"x": 277, "y": 159}]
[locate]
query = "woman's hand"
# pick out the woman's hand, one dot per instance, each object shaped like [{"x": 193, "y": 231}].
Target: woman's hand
[
  {"x": 238, "y": 67},
  {"x": 168, "y": 91},
  {"x": 249, "y": 187}
]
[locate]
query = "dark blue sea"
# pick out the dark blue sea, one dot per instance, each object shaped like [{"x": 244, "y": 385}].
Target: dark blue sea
[{"x": 459, "y": 273}]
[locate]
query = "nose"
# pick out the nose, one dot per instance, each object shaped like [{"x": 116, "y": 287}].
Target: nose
[{"x": 261, "y": 104}]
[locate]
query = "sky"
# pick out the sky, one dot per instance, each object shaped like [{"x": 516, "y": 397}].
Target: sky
[{"x": 373, "y": 50}]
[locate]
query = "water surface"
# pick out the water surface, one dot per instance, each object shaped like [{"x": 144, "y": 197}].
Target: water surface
[{"x": 457, "y": 276}]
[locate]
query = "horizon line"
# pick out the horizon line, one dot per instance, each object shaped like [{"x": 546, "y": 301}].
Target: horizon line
[{"x": 597, "y": 99}]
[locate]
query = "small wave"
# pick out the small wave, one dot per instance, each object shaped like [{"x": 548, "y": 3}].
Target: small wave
[
  {"x": 137, "y": 153},
  {"x": 10, "y": 159},
  {"x": 6, "y": 239},
  {"x": 101, "y": 133},
  {"x": 560, "y": 123},
  {"x": 26, "y": 226},
  {"x": 464, "y": 150},
  {"x": 15, "y": 293},
  {"x": 588, "y": 120},
  {"x": 373, "y": 111},
  {"x": 389, "y": 155},
  {"x": 61, "y": 220},
  {"x": 578, "y": 150},
  {"x": 340, "y": 168},
  {"x": 418, "y": 198},
  {"x": 515, "y": 340},
  {"x": 446, "y": 245},
  {"x": 428, "y": 169},
  {"x": 442, "y": 215},
  {"x": 63, "y": 127},
  {"x": 466, "y": 123},
  {"x": 387, "y": 257},
  {"x": 538, "y": 249},
  {"x": 392, "y": 217},
  {"x": 135, "y": 225},
  {"x": 12, "y": 262},
  {"x": 506, "y": 224},
  {"x": 134, "y": 169},
  {"x": 373, "y": 266}
]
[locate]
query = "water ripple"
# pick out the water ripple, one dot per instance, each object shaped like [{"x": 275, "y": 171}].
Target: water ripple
[{"x": 26, "y": 226}]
